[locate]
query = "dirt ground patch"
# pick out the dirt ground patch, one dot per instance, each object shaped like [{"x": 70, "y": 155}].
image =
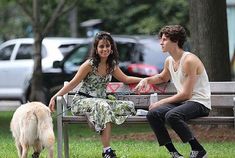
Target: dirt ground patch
[{"x": 216, "y": 133}]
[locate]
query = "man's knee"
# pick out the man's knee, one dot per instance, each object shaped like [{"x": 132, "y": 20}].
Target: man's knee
[
  {"x": 172, "y": 117},
  {"x": 152, "y": 115}
]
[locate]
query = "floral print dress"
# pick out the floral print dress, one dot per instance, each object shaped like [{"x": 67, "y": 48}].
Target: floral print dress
[{"x": 100, "y": 109}]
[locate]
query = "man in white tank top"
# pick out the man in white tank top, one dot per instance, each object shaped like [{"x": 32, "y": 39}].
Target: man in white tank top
[{"x": 192, "y": 100}]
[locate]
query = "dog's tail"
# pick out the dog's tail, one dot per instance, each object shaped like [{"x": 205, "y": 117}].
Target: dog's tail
[
  {"x": 45, "y": 127},
  {"x": 31, "y": 130}
]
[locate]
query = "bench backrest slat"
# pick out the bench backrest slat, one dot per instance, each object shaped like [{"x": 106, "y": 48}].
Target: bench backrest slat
[
  {"x": 222, "y": 93},
  {"x": 225, "y": 101},
  {"x": 143, "y": 101},
  {"x": 216, "y": 87},
  {"x": 166, "y": 88},
  {"x": 119, "y": 87},
  {"x": 223, "y": 87}
]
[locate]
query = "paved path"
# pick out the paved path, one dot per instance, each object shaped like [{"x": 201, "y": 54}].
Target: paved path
[{"x": 8, "y": 105}]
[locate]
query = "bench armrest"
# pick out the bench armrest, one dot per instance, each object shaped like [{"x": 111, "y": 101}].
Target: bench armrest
[{"x": 61, "y": 105}]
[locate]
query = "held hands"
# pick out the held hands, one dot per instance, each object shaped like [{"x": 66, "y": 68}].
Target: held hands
[{"x": 141, "y": 86}]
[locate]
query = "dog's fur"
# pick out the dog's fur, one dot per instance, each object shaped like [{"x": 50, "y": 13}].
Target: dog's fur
[{"x": 31, "y": 126}]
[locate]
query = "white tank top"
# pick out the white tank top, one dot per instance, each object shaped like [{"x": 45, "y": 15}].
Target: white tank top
[{"x": 201, "y": 91}]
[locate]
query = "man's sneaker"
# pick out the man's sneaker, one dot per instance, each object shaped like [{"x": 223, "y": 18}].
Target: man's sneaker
[
  {"x": 198, "y": 154},
  {"x": 109, "y": 154},
  {"x": 176, "y": 155}
]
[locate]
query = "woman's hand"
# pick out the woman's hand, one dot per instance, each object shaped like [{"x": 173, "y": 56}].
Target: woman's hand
[
  {"x": 141, "y": 85},
  {"x": 52, "y": 104}
]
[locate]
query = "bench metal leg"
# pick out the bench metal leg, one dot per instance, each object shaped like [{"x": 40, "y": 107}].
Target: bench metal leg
[
  {"x": 59, "y": 140},
  {"x": 234, "y": 112},
  {"x": 66, "y": 141},
  {"x": 59, "y": 127}
]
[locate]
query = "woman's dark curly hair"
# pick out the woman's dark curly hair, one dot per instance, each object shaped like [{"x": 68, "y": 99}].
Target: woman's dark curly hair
[
  {"x": 176, "y": 33},
  {"x": 113, "y": 57}
]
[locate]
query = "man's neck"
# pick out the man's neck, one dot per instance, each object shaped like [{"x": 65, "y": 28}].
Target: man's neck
[{"x": 177, "y": 54}]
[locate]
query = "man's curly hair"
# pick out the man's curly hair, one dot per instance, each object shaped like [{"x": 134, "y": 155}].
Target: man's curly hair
[{"x": 175, "y": 33}]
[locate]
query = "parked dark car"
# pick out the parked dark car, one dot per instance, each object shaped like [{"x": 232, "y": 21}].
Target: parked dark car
[{"x": 138, "y": 56}]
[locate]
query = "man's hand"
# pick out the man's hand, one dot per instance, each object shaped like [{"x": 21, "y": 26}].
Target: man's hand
[{"x": 154, "y": 105}]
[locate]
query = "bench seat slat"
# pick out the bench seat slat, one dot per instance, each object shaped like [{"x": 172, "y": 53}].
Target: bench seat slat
[{"x": 142, "y": 119}]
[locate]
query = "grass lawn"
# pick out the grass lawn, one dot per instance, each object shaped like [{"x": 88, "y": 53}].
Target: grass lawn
[{"x": 130, "y": 141}]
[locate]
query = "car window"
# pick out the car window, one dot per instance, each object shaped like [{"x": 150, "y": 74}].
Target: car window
[
  {"x": 26, "y": 51},
  {"x": 125, "y": 51},
  {"x": 5, "y": 53},
  {"x": 77, "y": 57},
  {"x": 66, "y": 48}
]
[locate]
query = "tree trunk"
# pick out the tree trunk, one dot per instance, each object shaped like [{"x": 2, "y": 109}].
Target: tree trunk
[
  {"x": 37, "y": 91},
  {"x": 209, "y": 37},
  {"x": 36, "y": 86},
  {"x": 73, "y": 22}
]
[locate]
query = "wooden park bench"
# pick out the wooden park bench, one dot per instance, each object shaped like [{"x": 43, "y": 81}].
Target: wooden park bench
[{"x": 222, "y": 98}]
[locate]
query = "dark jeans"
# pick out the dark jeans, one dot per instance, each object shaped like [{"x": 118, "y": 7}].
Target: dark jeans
[{"x": 175, "y": 115}]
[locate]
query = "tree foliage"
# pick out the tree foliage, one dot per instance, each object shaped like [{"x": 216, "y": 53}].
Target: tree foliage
[
  {"x": 13, "y": 23},
  {"x": 119, "y": 17},
  {"x": 135, "y": 17}
]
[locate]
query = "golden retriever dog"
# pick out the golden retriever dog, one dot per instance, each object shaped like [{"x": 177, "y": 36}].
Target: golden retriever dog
[{"x": 31, "y": 126}]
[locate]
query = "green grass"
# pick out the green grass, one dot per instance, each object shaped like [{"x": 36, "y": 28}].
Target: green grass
[{"x": 86, "y": 144}]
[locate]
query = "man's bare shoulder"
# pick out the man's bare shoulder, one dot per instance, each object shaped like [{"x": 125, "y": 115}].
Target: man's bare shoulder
[
  {"x": 193, "y": 61},
  {"x": 192, "y": 58}
]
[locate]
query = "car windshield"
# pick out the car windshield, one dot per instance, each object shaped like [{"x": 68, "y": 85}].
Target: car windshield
[
  {"x": 79, "y": 54},
  {"x": 125, "y": 50},
  {"x": 77, "y": 57},
  {"x": 66, "y": 48}
]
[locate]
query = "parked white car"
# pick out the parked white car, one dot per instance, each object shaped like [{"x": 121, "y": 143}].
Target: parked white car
[{"x": 16, "y": 63}]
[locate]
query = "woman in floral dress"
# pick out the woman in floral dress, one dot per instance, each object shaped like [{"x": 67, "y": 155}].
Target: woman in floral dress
[{"x": 94, "y": 75}]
